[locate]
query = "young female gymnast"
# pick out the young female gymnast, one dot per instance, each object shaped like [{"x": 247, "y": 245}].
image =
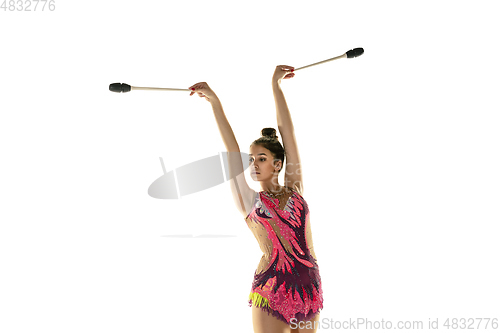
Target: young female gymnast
[{"x": 286, "y": 294}]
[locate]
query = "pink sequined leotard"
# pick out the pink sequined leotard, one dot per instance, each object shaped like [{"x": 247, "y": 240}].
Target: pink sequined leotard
[{"x": 286, "y": 283}]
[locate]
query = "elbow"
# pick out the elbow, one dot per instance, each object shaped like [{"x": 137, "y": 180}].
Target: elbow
[{"x": 233, "y": 148}]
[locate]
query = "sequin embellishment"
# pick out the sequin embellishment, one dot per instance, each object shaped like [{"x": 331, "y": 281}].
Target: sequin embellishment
[{"x": 287, "y": 283}]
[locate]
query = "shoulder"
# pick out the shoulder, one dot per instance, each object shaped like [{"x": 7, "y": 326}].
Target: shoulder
[
  {"x": 295, "y": 189},
  {"x": 253, "y": 196}
]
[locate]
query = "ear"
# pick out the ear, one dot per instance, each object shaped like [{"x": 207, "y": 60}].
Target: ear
[{"x": 279, "y": 165}]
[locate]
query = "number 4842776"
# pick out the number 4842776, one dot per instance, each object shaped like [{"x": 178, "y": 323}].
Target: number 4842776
[{"x": 28, "y": 5}]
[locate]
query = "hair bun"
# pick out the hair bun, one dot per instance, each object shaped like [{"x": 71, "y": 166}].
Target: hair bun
[{"x": 269, "y": 132}]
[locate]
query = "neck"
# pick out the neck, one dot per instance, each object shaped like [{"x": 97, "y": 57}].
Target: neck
[{"x": 273, "y": 189}]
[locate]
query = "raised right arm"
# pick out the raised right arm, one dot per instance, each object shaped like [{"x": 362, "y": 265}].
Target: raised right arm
[{"x": 243, "y": 195}]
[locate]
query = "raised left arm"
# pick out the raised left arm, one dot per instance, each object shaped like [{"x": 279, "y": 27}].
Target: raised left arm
[{"x": 293, "y": 173}]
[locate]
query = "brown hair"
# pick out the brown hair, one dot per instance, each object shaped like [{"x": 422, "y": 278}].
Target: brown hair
[{"x": 269, "y": 140}]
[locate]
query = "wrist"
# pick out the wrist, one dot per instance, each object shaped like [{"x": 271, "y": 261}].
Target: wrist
[{"x": 213, "y": 99}]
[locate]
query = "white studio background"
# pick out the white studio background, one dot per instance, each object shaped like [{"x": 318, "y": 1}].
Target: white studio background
[{"x": 399, "y": 150}]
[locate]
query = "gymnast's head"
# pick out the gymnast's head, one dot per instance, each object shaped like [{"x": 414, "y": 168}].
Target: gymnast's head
[{"x": 267, "y": 157}]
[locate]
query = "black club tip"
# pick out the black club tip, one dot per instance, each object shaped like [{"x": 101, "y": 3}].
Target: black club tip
[
  {"x": 355, "y": 52},
  {"x": 119, "y": 87}
]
